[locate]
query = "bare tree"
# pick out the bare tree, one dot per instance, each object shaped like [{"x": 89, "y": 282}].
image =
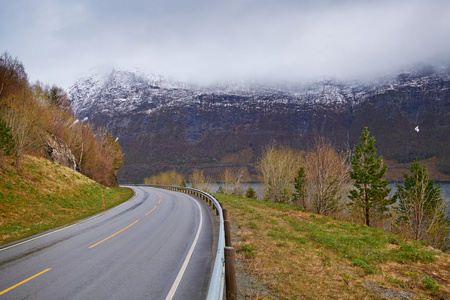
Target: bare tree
[
  {"x": 12, "y": 76},
  {"x": 22, "y": 115},
  {"x": 227, "y": 180},
  {"x": 277, "y": 170},
  {"x": 17, "y": 107},
  {"x": 200, "y": 181},
  {"x": 327, "y": 177},
  {"x": 233, "y": 180}
]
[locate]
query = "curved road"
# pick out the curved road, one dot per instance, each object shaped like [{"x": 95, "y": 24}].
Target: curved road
[{"x": 158, "y": 245}]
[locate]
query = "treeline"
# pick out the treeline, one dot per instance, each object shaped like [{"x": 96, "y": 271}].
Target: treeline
[
  {"x": 232, "y": 180},
  {"x": 32, "y": 112},
  {"x": 172, "y": 178},
  {"x": 350, "y": 186},
  {"x": 197, "y": 179}
]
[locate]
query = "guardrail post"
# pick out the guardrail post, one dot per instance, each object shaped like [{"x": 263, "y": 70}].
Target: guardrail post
[
  {"x": 230, "y": 273},
  {"x": 226, "y": 225},
  {"x": 225, "y": 213}
]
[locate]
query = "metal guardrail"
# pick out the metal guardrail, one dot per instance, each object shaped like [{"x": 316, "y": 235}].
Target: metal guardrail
[{"x": 216, "y": 284}]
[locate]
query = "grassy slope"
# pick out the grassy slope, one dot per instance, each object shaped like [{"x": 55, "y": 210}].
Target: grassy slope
[
  {"x": 301, "y": 255},
  {"x": 43, "y": 195}
]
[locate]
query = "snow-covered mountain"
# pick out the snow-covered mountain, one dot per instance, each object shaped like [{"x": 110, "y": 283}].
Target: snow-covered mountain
[
  {"x": 162, "y": 123},
  {"x": 124, "y": 90}
]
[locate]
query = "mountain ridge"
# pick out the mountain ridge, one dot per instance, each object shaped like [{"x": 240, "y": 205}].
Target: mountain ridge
[{"x": 163, "y": 123}]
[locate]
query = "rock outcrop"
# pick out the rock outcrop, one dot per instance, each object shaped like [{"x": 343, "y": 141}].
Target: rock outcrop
[{"x": 59, "y": 152}]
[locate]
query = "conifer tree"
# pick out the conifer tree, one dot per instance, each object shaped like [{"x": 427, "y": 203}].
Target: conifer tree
[
  {"x": 421, "y": 208},
  {"x": 371, "y": 191},
  {"x": 6, "y": 141},
  {"x": 250, "y": 193},
  {"x": 300, "y": 187}
]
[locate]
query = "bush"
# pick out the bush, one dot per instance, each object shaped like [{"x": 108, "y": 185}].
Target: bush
[
  {"x": 250, "y": 193},
  {"x": 277, "y": 169}
]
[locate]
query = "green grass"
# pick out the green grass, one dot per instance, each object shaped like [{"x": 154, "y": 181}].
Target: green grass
[
  {"x": 43, "y": 195},
  {"x": 297, "y": 253},
  {"x": 360, "y": 242},
  {"x": 247, "y": 250}
]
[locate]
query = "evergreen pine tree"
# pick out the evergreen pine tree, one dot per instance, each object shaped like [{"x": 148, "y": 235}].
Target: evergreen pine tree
[
  {"x": 220, "y": 190},
  {"x": 371, "y": 191},
  {"x": 300, "y": 187},
  {"x": 421, "y": 208},
  {"x": 6, "y": 141}
]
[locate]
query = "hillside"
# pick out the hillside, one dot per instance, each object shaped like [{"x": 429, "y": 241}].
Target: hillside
[
  {"x": 44, "y": 195},
  {"x": 41, "y": 121},
  {"x": 163, "y": 125},
  {"x": 285, "y": 253}
]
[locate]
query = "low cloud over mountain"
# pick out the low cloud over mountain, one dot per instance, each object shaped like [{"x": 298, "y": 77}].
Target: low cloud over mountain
[{"x": 162, "y": 124}]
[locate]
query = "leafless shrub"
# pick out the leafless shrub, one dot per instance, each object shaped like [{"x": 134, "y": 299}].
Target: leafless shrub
[
  {"x": 233, "y": 179},
  {"x": 171, "y": 177},
  {"x": 327, "y": 177},
  {"x": 277, "y": 170},
  {"x": 199, "y": 181}
]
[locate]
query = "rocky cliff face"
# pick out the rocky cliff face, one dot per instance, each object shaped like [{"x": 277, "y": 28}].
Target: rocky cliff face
[
  {"x": 59, "y": 152},
  {"x": 161, "y": 124}
]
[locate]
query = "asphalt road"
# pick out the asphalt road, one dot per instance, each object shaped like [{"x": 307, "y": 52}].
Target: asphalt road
[{"x": 158, "y": 245}]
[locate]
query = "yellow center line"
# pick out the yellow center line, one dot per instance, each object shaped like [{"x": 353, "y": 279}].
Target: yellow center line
[
  {"x": 20, "y": 283},
  {"x": 114, "y": 234},
  {"x": 159, "y": 199},
  {"x": 151, "y": 210}
]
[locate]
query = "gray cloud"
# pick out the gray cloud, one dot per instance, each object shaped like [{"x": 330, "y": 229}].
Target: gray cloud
[{"x": 206, "y": 40}]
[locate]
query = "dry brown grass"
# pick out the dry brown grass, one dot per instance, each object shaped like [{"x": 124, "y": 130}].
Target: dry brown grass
[{"x": 293, "y": 264}]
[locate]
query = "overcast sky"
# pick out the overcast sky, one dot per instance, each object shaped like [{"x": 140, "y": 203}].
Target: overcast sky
[{"x": 214, "y": 40}]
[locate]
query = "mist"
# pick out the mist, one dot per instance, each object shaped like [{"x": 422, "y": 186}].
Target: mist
[{"x": 215, "y": 41}]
